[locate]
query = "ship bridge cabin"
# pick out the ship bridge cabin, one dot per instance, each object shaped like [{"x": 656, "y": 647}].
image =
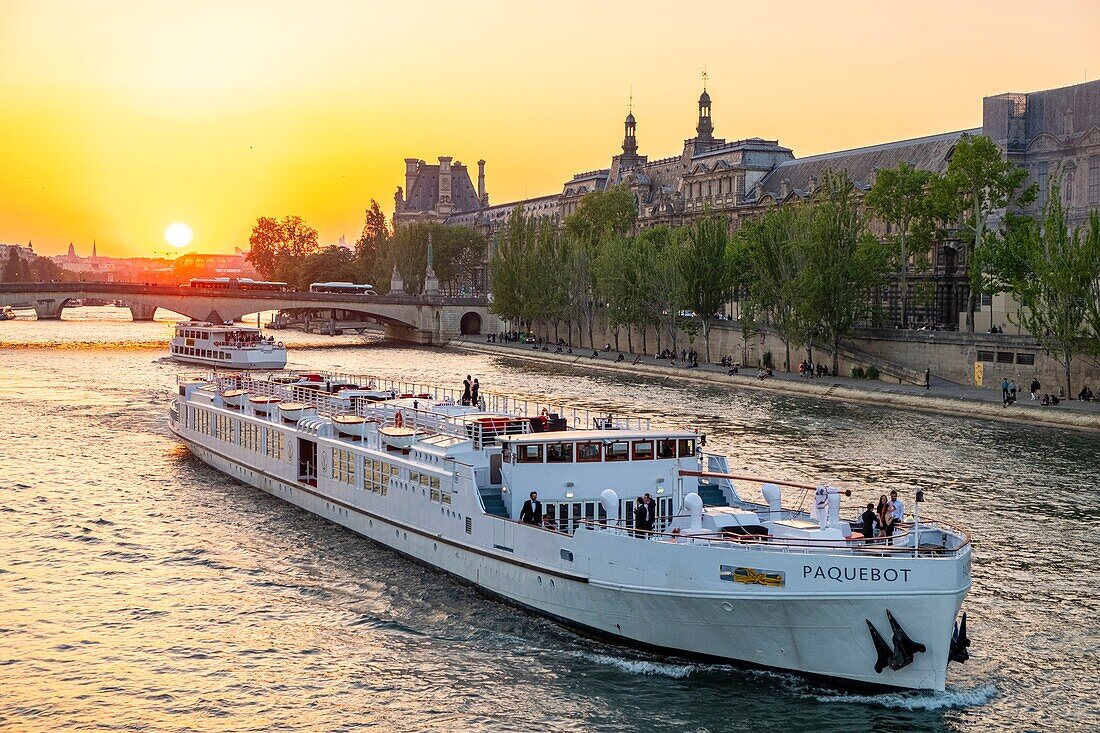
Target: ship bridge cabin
[{"x": 570, "y": 469}]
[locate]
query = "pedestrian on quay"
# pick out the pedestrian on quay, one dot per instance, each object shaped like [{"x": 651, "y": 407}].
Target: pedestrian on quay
[
  {"x": 1004, "y": 391},
  {"x": 1035, "y": 387}
]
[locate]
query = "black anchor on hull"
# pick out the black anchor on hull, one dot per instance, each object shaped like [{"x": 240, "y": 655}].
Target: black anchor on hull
[
  {"x": 904, "y": 648},
  {"x": 959, "y": 643}
]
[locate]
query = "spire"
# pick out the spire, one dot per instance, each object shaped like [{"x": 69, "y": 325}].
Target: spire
[
  {"x": 93, "y": 249},
  {"x": 705, "y": 129},
  {"x": 630, "y": 142}
]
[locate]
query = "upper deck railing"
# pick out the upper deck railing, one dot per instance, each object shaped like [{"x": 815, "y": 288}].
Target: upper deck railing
[{"x": 481, "y": 428}]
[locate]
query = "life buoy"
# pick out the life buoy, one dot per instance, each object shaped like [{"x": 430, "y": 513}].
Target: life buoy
[{"x": 398, "y": 419}]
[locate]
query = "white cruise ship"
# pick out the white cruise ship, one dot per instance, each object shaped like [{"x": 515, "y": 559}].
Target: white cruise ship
[
  {"x": 717, "y": 577},
  {"x": 226, "y": 345}
]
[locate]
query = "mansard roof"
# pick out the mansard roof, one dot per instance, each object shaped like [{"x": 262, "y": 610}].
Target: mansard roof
[
  {"x": 926, "y": 153},
  {"x": 425, "y": 189}
]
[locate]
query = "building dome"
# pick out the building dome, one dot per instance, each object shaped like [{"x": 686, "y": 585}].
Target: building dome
[
  {"x": 704, "y": 98},
  {"x": 630, "y": 118}
]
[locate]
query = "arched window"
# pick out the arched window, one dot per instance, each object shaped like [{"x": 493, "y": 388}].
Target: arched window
[{"x": 1067, "y": 189}]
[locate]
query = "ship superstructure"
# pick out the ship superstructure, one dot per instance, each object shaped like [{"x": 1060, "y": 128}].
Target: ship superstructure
[
  {"x": 716, "y": 576},
  {"x": 226, "y": 346}
]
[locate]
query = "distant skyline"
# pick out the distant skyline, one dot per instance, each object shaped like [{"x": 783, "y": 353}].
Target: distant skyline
[{"x": 121, "y": 118}]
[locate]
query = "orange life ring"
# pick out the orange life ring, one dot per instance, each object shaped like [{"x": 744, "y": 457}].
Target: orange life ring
[{"x": 398, "y": 419}]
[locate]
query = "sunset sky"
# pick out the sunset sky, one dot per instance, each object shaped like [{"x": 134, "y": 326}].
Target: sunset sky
[{"x": 120, "y": 118}]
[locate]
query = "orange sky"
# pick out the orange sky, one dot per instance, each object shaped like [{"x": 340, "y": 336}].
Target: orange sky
[{"x": 121, "y": 117}]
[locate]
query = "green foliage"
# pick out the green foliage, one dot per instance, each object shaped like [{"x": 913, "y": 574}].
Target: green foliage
[
  {"x": 768, "y": 360},
  {"x": 901, "y": 198},
  {"x": 706, "y": 267},
  {"x": 372, "y": 250},
  {"x": 843, "y": 262},
  {"x": 979, "y": 182},
  {"x": 770, "y": 255},
  {"x": 871, "y": 373},
  {"x": 280, "y": 246},
  {"x": 602, "y": 213},
  {"x": 1053, "y": 274},
  {"x": 857, "y": 372},
  {"x": 456, "y": 252}
]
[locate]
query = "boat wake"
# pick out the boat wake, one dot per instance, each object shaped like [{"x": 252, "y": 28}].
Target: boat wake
[
  {"x": 642, "y": 666},
  {"x": 949, "y": 698}
]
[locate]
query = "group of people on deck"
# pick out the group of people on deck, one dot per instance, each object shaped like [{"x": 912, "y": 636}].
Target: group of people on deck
[
  {"x": 881, "y": 520},
  {"x": 645, "y": 514},
  {"x": 470, "y": 390}
]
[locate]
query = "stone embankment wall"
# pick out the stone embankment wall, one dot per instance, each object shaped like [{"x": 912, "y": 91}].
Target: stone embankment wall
[{"x": 900, "y": 356}]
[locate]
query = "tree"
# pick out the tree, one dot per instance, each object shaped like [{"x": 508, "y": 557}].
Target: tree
[
  {"x": 772, "y": 255},
  {"x": 706, "y": 267},
  {"x": 1092, "y": 244},
  {"x": 511, "y": 267},
  {"x": 370, "y": 248},
  {"x": 660, "y": 285},
  {"x": 600, "y": 213},
  {"x": 900, "y": 199},
  {"x": 843, "y": 262},
  {"x": 278, "y": 247},
  {"x": 1052, "y": 272},
  {"x": 13, "y": 268},
  {"x": 978, "y": 183}
]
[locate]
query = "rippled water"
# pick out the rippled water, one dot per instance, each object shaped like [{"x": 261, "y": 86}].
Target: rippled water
[{"x": 140, "y": 590}]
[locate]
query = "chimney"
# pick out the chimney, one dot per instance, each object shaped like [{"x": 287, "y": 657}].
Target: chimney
[
  {"x": 784, "y": 188},
  {"x": 482, "y": 196},
  {"x": 411, "y": 165}
]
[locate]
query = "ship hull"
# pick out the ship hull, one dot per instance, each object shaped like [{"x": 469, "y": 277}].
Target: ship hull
[{"x": 822, "y": 636}]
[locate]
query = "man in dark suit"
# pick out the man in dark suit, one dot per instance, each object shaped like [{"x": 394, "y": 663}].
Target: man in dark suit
[
  {"x": 531, "y": 513},
  {"x": 650, "y": 512}
]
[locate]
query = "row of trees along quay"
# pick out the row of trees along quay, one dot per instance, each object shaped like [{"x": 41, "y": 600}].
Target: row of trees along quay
[
  {"x": 287, "y": 250},
  {"x": 808, "y": 270}
]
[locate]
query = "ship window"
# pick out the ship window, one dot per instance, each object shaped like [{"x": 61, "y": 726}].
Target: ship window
[
  {"x": 588, "y": 452},
  {"x": 618, "y": 451},
  {"x": 666, "y": 448},
  {"x": 687, "y": 448},
  {"x": 559, "y": 453},
  {"x": 530, "y": 453},
  {"x": 643, "y": 450}
]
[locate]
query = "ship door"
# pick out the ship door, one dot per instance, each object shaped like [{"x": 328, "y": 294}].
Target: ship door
[
  {"x": 504, "y": 534},
  {"x": 307, "y": 461}
]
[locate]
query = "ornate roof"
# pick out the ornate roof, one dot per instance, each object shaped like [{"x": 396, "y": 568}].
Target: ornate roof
[{"x": 927, "y": 153}]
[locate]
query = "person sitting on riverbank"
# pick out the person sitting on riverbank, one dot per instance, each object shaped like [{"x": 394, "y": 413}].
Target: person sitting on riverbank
[
  {"x": 637, "y": 360},
  {"x": 694, "y": 363},
  {"x": 595, "y": 354},
  {"x": 607, "y": 346},
  {"x": 620, "y": 358},
  {"x": 1049, "y": 400},
  {"x": 1086, "y": 395},
  {"x": 732, "y": 370},
  {"x": 558, "y": 350},
  {"x": 765, "y": 373}
]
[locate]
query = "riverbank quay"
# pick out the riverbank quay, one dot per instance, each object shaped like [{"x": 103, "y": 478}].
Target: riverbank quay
[{"x": 940, "y": 397}]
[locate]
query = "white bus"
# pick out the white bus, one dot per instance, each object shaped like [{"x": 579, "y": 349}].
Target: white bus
[{"x": 345, "y": 288}]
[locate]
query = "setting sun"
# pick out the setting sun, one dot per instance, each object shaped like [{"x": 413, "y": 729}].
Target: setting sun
[{"x": 178, "y": 234}]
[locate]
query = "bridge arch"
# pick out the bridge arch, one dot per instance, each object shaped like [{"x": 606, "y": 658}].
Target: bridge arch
[{"x": 470, "y": 325}]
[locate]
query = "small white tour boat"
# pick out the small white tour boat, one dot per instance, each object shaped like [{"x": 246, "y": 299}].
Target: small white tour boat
[
  {"x": 225, "y": 345},
  {"x": 712, "y": 572}
]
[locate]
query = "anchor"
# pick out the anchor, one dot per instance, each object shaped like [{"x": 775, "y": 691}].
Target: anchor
[
  {"x": 904, "y": 647},
  {"x": 881, "y": 648},
  {"x": 959, "y": 642}
]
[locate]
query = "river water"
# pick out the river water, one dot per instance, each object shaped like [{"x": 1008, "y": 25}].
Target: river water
[{"x": 140, "y": 590}]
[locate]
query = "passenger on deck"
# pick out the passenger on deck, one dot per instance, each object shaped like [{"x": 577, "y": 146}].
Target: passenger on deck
[
  {"x": 869, "y": 519},
  {"x": 896, "y": 512},
  {"x": 650, "y": 512},
  {"x": 882, "y": 511},
  {"x": 549, "y": 523},
  {"x": 466, "y": 384},
  {"x": 474, "y": 389},
  {"x": 531, "y": 513},
  {"x": 639, "y": 518}
]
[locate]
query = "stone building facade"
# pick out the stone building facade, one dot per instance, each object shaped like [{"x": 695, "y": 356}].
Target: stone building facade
[{"x": 1050, "y": 133}]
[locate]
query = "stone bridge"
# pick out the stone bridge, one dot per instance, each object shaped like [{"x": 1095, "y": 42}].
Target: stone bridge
[{"x": 422, "y": 319}]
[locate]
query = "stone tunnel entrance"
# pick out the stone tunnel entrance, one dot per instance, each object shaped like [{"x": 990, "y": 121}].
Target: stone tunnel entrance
[{"x": 470, "y": 324}]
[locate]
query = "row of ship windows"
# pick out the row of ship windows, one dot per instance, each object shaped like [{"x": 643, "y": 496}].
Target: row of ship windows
[
  {"x": 189, "y": 334},
  {"x": 271, "y": 442},
  {"x": 203, "y": 353},
  {"x": 596, "y": 451}
]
